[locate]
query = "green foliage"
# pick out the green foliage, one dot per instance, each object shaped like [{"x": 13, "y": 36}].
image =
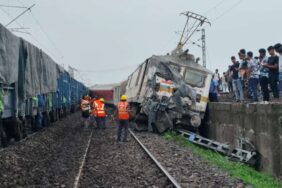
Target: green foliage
[{"x": 237, "y": 170}]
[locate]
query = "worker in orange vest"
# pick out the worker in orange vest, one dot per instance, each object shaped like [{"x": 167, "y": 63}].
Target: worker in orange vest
[
  {"x": 122, "y": 114},
  {"x": 100, "y": 113},
  {"x": 85, "y": 110},
  {"x": 95, "y": 102}
]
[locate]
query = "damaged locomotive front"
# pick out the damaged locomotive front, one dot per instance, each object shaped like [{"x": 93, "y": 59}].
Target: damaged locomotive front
[{"x": 168, "y": 91}]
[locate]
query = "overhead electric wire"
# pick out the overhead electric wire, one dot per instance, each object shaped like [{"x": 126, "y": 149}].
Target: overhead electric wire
[
  {"x": 58, "y": 51},
  {"x": 21, "y": 26},
  {"x": 12, "y": 6},
  {"x": 47, "y": 36},
  {"x": 214, "y": 7},
  {"x": 42, "y": 45},
  {"x": 9, "y": 15},
  {"x": 228, "y": 10},
  {"x": 28, "y": 9}
]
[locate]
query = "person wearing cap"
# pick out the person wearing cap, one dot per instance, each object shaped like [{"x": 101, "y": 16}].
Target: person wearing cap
[
  {"x": 99, "y": 106},
  {"x": 122, "y": 114}
]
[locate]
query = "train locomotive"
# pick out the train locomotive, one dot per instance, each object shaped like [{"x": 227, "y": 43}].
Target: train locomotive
[{"x": 168, "y": 91}]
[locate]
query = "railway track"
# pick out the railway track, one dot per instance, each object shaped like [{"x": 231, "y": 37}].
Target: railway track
[
  {"x": 130, "y": 164},
  {"x": 74, "y": 157},
  {"x": 188, "y": 169},
  {"x": 165, "y": 172}
]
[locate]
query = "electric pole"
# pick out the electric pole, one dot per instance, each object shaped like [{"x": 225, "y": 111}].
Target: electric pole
[
  {"x": 204, "y": 47},
  {"x": 193, "y": 23}
]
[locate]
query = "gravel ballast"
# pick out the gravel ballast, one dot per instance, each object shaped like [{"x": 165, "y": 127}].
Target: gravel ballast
[
  {"x": 111, "y": 164},
  {"x": 187, "y": 168},
  {"x": 50, "y": 158}
]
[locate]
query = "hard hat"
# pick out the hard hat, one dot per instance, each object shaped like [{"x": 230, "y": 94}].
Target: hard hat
[
  {"x": 102, "y": 99},
  {"x": 123, "y": 98}
]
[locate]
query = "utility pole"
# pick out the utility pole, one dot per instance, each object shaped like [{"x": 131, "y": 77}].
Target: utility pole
[
  {"x": 193, "y": 22},
  {"x": 204, "y": 47}
]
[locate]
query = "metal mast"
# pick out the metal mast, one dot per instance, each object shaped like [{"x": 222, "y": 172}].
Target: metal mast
[
  {"x": 197, "y": 21},
  {"x": 193, "y": 22},
  {"x": 204, "y": 47}
]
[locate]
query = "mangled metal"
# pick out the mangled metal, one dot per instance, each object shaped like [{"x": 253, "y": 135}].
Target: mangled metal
[
  {"x": 248, "y": 155},
  {"x": 164, "y": 96}
]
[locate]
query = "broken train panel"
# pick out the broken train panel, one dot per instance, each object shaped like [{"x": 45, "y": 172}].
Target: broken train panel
[{"x": 166, "y": 91}]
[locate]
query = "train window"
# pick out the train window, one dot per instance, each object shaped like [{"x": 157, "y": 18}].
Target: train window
[{"x": 194, "y": 78}]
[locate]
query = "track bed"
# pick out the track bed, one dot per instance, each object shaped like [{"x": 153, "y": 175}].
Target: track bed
[
  {"x": 188, "y": 169},
  {"x": 50, "y": 158},
  {"x": 111, "y": 164}
]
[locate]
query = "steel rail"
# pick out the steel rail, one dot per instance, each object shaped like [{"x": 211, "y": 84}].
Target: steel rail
[
  {"x": 171, "y": 179},
  {"x": 78, "y": 176}
]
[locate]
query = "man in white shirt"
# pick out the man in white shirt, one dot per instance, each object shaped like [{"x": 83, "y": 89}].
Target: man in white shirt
[
  {"x": 216, "y": 75},
  {"x": 253, "y": 75},
  {"x": 224, "y": 83}
]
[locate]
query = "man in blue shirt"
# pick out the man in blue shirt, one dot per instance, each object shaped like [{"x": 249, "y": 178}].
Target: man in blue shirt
[{"x": 213, "y": 91}]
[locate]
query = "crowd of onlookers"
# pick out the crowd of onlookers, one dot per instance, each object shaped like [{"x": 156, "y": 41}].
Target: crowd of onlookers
[{"x": 252, "y": 77}]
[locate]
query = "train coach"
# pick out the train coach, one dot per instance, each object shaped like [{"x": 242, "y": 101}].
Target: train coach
[
  {"x": 34, "y": 90},
  {"x": 168, "y": 91}
]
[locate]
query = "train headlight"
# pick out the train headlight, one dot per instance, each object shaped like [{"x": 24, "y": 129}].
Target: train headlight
[{"x": 195, "y": 121}]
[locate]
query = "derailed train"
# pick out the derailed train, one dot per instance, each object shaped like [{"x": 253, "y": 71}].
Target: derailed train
[
  {"x": 34, "y": 90},
  {"x": 167, "y": 91}
]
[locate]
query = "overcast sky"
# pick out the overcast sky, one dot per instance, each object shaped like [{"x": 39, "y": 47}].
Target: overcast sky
[{"x": 106, "y": 39}]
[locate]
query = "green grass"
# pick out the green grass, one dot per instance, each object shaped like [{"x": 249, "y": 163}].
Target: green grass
[{"x": 237, "y": 170}]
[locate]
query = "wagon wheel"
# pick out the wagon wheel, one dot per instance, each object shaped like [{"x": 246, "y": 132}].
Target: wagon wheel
[
  {"x": 52, "y": 116},
  {"x": 46, "y": 119},
  {"x": 24, "y": 127},
  {"x": 72, "y": 108},
  {"x": 17, "y": 126},
  {"x": 3, "y": 136},
  {"x": 33, "y": 123}
]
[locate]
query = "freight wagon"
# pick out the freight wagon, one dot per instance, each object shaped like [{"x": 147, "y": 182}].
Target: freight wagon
[
  {"x": 34, "y": 90},
  {"x": 105, "y": 91}
]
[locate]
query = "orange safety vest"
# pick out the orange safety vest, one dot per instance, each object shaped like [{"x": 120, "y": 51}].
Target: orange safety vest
[
  {"x": 123, "y": 111},
  {"x": 95, "y": 103},
  {"x": 84, "y": 105},
  {"x": 99, "y": 109}
]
